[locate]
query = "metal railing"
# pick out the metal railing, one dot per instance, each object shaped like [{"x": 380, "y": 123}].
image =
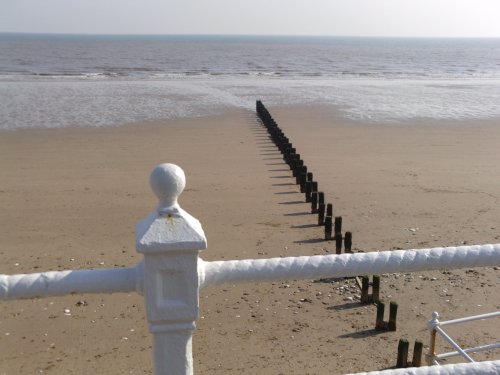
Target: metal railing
[
  {"x": 172, "y": 273},
  {"x": 435, "y": 326},
  {"x": 476, "y": 368}
]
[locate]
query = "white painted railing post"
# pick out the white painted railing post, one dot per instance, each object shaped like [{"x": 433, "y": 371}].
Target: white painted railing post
[
  {"x": 170, "y": 240},
  {"x": 432, "y": 324}
]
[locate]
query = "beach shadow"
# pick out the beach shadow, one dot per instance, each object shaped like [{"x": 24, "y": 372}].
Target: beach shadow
[
  {"x": 346, "y": 306},
  {"x": 286, "y": 192},
  {"x": 312, "y": 240},
  {"x": 280, "y": 177},
  {"x": 291, "y": 202},
  {"x": 269, "y": 154},
  {"x": 297, "y": 214},
  {"x": 361, "y": 335},
  {"x": 275, "y": 163},
  {"x": 329, "y": 280},
  {"x": 304, "y": 226},
  {"x": 284, "y": 184}
]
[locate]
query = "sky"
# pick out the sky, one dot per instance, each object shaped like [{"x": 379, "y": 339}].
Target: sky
[{"x": 401, "y": 18}]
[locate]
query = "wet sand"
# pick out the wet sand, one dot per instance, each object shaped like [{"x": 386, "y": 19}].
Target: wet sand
[{"x": 70, "y": 199}]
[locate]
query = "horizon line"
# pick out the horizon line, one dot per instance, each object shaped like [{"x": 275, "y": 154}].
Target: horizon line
[{"x": 250, "y": 35}]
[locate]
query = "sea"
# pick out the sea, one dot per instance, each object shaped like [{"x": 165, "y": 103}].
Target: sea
[{"x": 52, "y": 81}]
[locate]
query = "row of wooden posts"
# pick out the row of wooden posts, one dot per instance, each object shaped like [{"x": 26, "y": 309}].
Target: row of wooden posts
[
  {"x": 332, "y": 224},
  {"x": 304, "y": 178},
  {"x": 402, "y": 360}
]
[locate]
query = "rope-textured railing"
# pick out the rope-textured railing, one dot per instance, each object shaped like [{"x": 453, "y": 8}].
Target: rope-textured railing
[
  {"x": 476, "y": 368},
  {"x": 258, "y": 270},
  {"x": 345, "y": 265},
  {"x": 171, "y": 274},
  {"x": 59, "y": 283}
]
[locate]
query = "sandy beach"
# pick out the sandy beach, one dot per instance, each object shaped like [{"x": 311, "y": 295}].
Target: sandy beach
[{"x": 70, "y": 199}]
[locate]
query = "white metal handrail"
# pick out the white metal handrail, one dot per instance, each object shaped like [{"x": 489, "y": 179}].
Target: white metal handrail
[
  {"x": 435, "y": 327},
  {"x": 172, "y": 273},
  {"x": 59, "y": 283},
  {"x": 475, "y": 368},
  {"x": 346, "y": 265}
]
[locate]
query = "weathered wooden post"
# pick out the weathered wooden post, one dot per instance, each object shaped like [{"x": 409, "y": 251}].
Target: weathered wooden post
[
  {"x": 296, "y": 167},
  {"x": 338, "y": 243},
  {"x": 321, "y": 214},
  {"x": 348, "y": 242},
  {"x": 314, "y": 202},
  {"x": 417, "y": 353},
  {"x": 328, "y": 228},
  {"x": 302, "y": 181},
  {"x": 338, "y": 225},
  {"x": 309, "y": 185},
  {"x": 393, "y": 313},
  {"x": 301, "y": 173},
  {"x": 402, "y": 359},
  {"x": 403, "y": 347},
  {"x": 329, "y": 209},
  {"x": 365, "y": 285},
  {"x": 379, "y": 320},
  {"x": 321, "y": 197},
  {"x": 321, "y": 201},
  {"x": 376, "y": 288},
  {"x": 290, "y": 157},
  {"x": 170, "y": 240},
  {"x": 294, "y": 162},
  {"x": 315, "y": 186}
]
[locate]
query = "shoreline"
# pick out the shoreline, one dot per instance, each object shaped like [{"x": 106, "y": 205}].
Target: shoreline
[
  {"x": 70, "y": 199},
  {"x": 335, "y": 112},
  {"x": 102, "y": 103}
]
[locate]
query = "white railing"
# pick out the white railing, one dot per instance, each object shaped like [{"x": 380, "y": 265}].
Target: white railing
[
  {"x": 435, "y": 326},
  {"x": 476, "y": 368},
  {"x": 171, "y": 274}
]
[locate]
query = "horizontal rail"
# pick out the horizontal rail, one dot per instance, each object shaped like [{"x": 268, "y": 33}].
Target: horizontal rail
[
  {"x": 476, "y": 349},
  {"x": 58, "y": 283},
  {"x": 469, "y": 319},
  {"x": 483, "y": 368},
  {"x": 346, "y": 265}
]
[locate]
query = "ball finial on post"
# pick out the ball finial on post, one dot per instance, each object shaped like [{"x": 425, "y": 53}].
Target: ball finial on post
[
  {"x": 434, "y": 322},
  {"x": 167, "y": 182}
]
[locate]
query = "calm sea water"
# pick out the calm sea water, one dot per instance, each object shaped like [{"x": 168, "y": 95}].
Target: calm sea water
[{"x": 66, "y": 80}]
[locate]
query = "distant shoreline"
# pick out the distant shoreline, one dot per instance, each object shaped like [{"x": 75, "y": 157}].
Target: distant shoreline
[{"x": 247, "y": 36}]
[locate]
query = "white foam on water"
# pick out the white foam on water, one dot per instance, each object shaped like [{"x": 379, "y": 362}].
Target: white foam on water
[{"x": 94, "y": 102}]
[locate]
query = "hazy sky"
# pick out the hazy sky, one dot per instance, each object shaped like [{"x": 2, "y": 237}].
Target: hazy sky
[{"x": 473, "y": 18}]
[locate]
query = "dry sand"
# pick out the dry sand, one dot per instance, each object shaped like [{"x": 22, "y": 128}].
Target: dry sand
[{"x": 70, "y": 198}]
